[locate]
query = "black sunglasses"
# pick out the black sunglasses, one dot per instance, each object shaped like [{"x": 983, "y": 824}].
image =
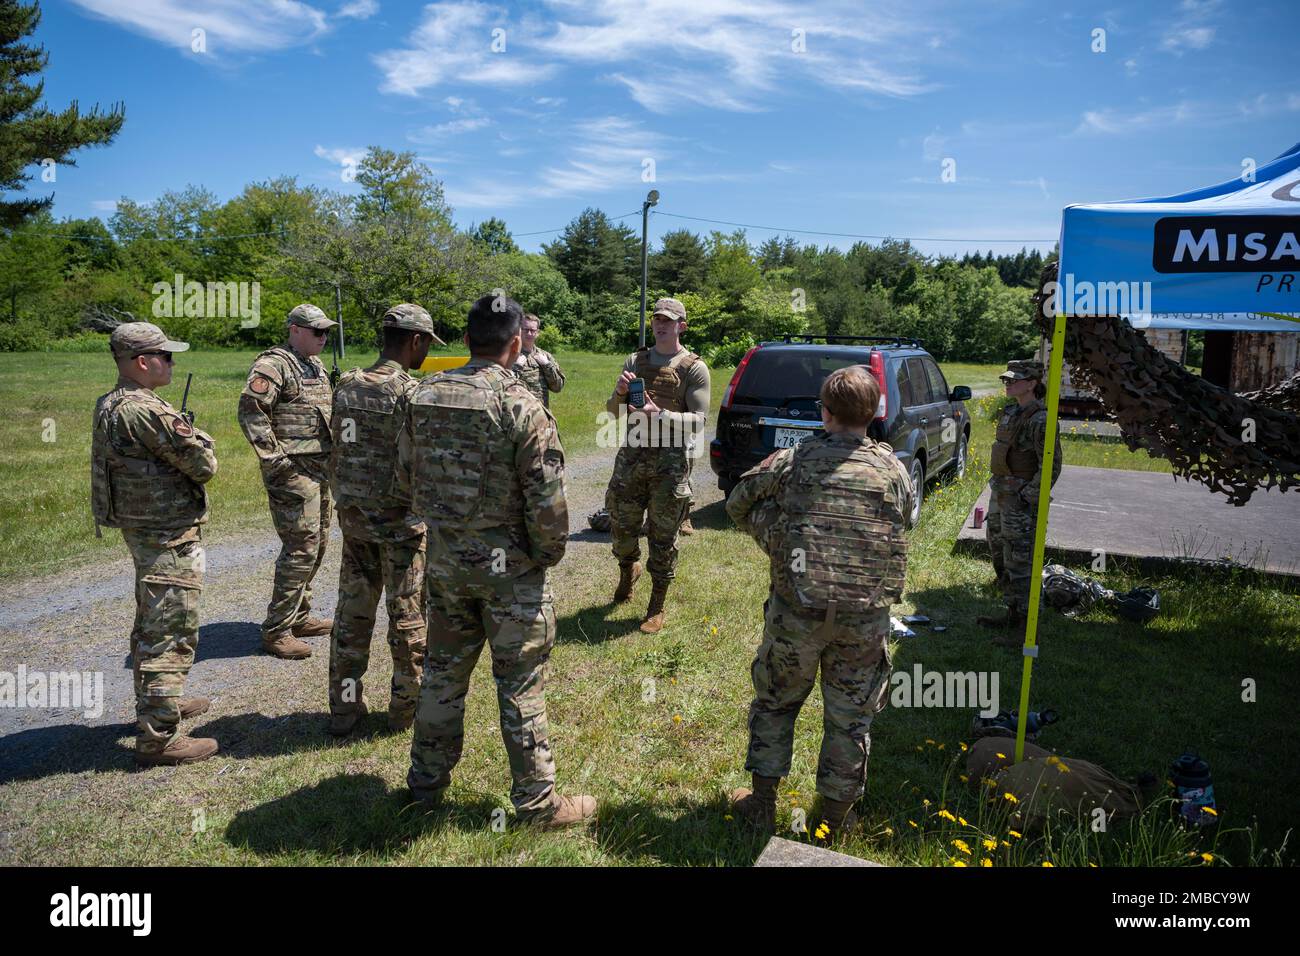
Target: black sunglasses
[
  {"x": 319, "y": 333},
  {"x": 167, "y": 355}
]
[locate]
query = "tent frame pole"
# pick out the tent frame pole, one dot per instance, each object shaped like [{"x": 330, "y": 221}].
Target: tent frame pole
[{"x": 1040, "y": 528}]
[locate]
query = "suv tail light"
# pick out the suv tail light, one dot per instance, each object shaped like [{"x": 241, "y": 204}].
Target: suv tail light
[
  {"x": 735, "y": 378},
  {"x": 877, "y": 367}
]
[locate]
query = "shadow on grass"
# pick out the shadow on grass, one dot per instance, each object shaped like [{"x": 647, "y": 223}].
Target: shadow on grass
[
  {"x": 223, "y": 640},
  {"x": 712, "y": 517},
  {"x": 680, "y": 833},
  {"x": 348, "y": 815},
  {"x": 259, "y": 735},
  {"x": 65, "y": 748},
  {"x": 592, "y": 625}
]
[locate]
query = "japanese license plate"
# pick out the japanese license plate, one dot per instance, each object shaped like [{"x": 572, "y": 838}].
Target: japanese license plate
[{"x": 789, "y": 437}]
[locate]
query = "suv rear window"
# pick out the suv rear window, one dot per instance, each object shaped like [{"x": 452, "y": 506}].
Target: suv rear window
[{"x": 775, "y": 376}]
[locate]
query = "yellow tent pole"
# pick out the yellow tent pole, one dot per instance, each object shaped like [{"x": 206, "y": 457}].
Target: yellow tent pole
[{"x": 1040, "y": 528}]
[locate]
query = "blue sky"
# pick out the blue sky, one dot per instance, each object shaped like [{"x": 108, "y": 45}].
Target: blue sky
[{"x": 835, "y": 117}]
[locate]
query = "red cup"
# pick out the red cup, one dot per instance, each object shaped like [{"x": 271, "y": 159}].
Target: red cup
[{"x": 979, "y": 517}]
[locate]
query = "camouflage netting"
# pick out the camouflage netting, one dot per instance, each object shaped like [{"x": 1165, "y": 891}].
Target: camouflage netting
[{"x": 1172, "y": 414}]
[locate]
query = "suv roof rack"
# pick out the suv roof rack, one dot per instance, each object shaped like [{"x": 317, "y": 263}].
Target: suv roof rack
[{"x": 830, "y": 339}]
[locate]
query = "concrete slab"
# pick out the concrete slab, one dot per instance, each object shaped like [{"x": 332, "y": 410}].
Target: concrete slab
[
  {"x": 782, "y": 852},
  {"x": 1152, "y": 516}
]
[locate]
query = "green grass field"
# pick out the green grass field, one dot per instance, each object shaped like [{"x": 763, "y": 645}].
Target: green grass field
[{"x": 656, "y": 727}]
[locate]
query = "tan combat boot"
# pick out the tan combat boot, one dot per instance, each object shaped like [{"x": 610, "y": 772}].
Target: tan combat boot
[
  {"x": 568, "y": 812},
  {"x": 654, "y": 614},
  {"x": 1013, "y": 631},
  {"x": 286, "y": 647},
  {"x": 687, "y": 527},
  {"x": 836, "y": 817},
  {"x": 313, "y": 627},
  {"x": 342, "y": 724},
  {"x": 757, "y": 807},
  {"x": 400, "y": 719},
  {"x": 181, "y": 750},
  {"x": 628, "y": 575},
  {"x": 193, "y": 706}
]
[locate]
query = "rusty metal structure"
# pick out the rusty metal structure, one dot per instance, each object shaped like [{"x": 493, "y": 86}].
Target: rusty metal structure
[{"x": 1232, "y": 444}]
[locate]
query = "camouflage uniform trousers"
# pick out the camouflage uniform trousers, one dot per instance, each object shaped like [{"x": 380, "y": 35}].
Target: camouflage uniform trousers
[
  {"x": 517, "y": 620},
  {"x": 165, "y": 635},
  {"x": 655, "y": 481},
  {"x": 1009, "y": 530},
  {"x": 300, "y": 511},
  {"x": 367, "y": 568},
  {"x": 853, "y": 655}
]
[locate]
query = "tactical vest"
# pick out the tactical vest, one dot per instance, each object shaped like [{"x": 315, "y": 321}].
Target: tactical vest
[
  {"x": 666, "y": 384},
  {"x": 365, "y": 427},
  {"x": 1007, "y": 457},
  {"x": 842, "y": 544},
  {"x": 301, "y": 421},
  {"x": 462, "y": 470},
  {"x": 131, "y": 488},
  {"x": 530, "y": 373}
]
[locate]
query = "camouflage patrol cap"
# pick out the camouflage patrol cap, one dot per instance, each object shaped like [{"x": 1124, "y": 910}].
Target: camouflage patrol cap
[
  {"x": 135, "y": 338},
  {"x": 671, "y": 308},
  {"x": 1020, "y": 369},
  {"x": 408, "y": 315},
  {"x": 310, "y": 316}
]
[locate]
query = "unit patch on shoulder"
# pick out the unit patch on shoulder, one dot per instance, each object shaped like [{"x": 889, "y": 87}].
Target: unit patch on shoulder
[
  {"x": 259, "y": 385},
  {"x": 181, "y": 427}
]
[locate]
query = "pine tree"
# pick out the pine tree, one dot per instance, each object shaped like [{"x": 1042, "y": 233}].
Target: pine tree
[{"x": 31, "y": 134}]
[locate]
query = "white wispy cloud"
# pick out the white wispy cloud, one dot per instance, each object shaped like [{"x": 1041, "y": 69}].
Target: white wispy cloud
[
  {"x": 358, "y": 10},
  {"x": 1193, "y": 29},
  {"x": 727, "y": 54},
  {"x": 430, "y": 134},
  {"x": 104, "y": 205},
  {"x": 230, "y": 26},
  {"x": 1040, "y": 182},
  {"x": 347, "y": 158}
]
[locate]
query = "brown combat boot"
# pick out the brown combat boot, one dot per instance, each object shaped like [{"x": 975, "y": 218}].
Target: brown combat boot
[
  {"x": 757, "y": 807},
  {"x": 400, "y": 719},
  {"x": 836, "y": 817},
  {"x": 181, "y": 750},
  {"x": 628, "y": 575},
  {"x": 286, "y": 647},
  {"x": 342, "y": 724},
  {"x": 654, "y": 614},
  {"x": 193, "y": 706},
  {"x": 568, "y": 812},
  {"x": 313, "y": 627},
  {"x": 687, "y": 527}
]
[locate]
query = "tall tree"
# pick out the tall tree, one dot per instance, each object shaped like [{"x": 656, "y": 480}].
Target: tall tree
[
  {"x": 494, "y": 234},
  {"x": 681, "y": 264},
  {"x": 596, "y": 255},
  {"x": 31, "y": 134}
]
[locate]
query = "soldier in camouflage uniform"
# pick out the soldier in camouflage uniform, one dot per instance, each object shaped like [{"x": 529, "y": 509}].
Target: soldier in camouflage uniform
[
  {"x": 830, "y": 514},
  {"x": 148, "y": 468},
  {"x": 284, "y": 412},
  {"x": 383, "y": 543},
  {"x": 536, "y": 367},
  {"x": 652, "y": 471},
  {"x": 1016, "y": 468},
  {"x": 481, "y": 460}
]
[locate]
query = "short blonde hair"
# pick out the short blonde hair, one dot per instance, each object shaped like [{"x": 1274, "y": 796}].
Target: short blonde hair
[{"x": 851, "y": 395}]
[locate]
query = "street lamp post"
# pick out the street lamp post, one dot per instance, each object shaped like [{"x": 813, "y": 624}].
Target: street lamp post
[{"x": 651, "y": 199}]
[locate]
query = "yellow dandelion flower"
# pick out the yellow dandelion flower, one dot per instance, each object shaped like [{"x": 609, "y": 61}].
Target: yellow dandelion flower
[
  {"x": 1207, "y": 857},
  {"x": 956, "y": 862},
  {"x": 990, "y": 783},
  {"x": 1091, "y": 864},
  {"x": 1005, "y": 844},
  {"x": 947, "y": 816},
  {"x": 728, "y": 817},
  {"x": 989, "y": 844},
  {"x": 1014, "y": 833},
  {"x": 986, "y": 862},
  {"x": 962, "y": 821},
  {"x": 928, "y": 740},
  {"x": 941, "y": 746},
  {"x": 963, "y": 747},
  {"x": 1048, "y": 863},
  {"x": 963, "y": 778},
  {"x": 714, "y": 631},
  {"x": 889, "y": 831},
  {"x": 677, "y": 718},
  {"x": 1002, "y": 756},
  {"x": 1210, "y": 810},
  {"x": 962, "y": 845},
  {"x": 925, "y": 803}
]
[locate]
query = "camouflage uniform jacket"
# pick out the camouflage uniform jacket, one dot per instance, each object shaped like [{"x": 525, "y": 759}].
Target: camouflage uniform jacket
[
  {"x": 369, "y": 410},
  {"x": 759, "y": 502},
  {"x": 481, "y": 461},
  {"x": 1017, "y": 456},
  {"x": 540, "y": 379},
  {"x": 148, "y": 463},
  {"x": 280, "y": 376}
]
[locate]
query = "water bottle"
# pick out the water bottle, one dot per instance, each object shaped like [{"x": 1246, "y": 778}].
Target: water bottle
[{"x": 1193, "y": 789}]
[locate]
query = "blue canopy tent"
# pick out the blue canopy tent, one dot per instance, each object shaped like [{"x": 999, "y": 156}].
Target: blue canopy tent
[{"x": 1225, "y": 257}]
